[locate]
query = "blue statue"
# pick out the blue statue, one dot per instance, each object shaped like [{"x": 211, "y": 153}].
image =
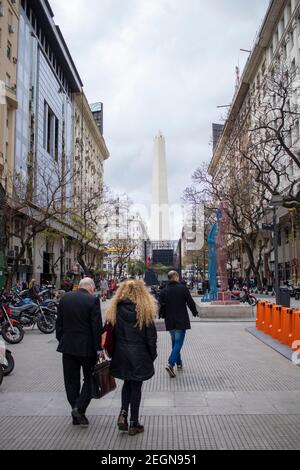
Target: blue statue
[{"x": 212, "y": 262}]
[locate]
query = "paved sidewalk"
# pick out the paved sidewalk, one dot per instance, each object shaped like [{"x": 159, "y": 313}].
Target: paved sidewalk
[{"x": 234, "y": 393}]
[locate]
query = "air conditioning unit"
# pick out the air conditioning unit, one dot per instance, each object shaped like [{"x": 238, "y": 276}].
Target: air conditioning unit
[{"x": 11, "y": 29}]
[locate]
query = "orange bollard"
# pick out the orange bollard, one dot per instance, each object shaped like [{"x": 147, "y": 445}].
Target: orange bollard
[
  {"x": 259, "y": 313},
  {"x": 296, "y": 332},
  {"x": 286, "y": 335},
  {"x": 276, "y": 321},
  {"x": 260, "y": 321},
  {"x": 268, "y": 319}
]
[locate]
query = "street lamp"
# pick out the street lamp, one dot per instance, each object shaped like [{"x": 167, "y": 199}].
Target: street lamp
[{"x": 276, "y": 202}]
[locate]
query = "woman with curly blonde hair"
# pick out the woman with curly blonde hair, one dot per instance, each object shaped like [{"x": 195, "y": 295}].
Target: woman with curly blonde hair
[{"x": 132, "y": 313}]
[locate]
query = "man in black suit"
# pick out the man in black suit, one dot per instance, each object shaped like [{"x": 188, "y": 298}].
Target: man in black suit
[
  {"x": 174, "y": 300},
  {"x": 78, "y": 330}
]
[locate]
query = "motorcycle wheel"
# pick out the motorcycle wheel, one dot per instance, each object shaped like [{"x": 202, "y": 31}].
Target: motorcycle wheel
[
  {"x": 10, "y": 366},
  {"x": 252, "y": 301},
  {"x": 12, "y": 335},
  {"x": 46, "y": 325}
]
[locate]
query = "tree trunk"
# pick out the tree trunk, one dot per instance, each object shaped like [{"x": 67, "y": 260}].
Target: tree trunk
[
  {"x": 255, "y": 270},
  {"x": 82, "y": 263},
  {"x": 9, "y": 280}
]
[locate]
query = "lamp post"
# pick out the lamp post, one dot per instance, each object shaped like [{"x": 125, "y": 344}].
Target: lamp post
[{"x": 276, "y": 202}]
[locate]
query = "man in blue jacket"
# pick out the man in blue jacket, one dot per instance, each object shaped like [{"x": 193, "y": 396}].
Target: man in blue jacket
[{"x": 174, "y": 300}]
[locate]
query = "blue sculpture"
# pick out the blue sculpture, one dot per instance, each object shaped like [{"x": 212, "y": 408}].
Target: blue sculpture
[{"x": 212, "y": 263}]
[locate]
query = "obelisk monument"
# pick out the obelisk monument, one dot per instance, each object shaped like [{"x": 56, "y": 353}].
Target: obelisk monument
[{"x": 160, "y": 213}]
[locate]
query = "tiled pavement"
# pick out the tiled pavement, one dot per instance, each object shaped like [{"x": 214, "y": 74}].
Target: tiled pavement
[{"x": 234, "y": 393}]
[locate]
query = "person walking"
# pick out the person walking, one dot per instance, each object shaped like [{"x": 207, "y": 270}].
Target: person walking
[
  {"x": 103, "y": 289},
  {"x": 174, "y": 300},
  {"x": 34, "y": 290},
  {"x": 131, "y": 313},
  {"x": 78, "y": 330}
]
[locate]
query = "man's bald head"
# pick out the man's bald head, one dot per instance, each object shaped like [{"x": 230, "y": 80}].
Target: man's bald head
[{"x": 173, "y": 276}]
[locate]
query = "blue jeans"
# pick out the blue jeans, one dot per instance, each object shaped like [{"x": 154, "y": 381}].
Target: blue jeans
[{"x": 177, "y": 337}]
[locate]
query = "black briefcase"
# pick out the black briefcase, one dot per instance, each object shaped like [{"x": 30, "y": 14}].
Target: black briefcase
[{"x": 102, "y": 381}]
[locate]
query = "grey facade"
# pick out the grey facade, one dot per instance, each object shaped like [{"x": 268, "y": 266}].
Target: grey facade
[{"x": 46, "y": 81}]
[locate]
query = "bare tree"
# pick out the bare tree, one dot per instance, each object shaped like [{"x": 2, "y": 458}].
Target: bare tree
[
  {"x": 33, "y": 208},
  {"x": 244, "y": 209},
  {"x": 122, "y": 250},
  {"x": 273, "y": 133},
  {"x": 90, "y": 216}
]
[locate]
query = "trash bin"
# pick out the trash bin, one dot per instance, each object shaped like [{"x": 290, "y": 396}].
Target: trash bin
[{"x": 285, "y": 298}]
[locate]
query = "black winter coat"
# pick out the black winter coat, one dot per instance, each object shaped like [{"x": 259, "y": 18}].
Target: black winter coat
[
  {"x": 135, "y": 350},
  {"x": 79, "y": 324},
  {"x": 174, "y": 300}
]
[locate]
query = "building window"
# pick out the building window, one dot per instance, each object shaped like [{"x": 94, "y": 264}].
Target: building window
[
  {"x": 8, "y": 80},
  {"x": 287, "y": 235},
  {"x": 9, "y": 52},
  {"x": 51, "y": 131}
]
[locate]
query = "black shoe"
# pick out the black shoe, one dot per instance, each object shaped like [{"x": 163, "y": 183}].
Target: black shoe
[
  {"x": 135, "y": 428},
  {"x": 75, "y": 422},
  {"x": 171, "y": 371},
  {"x": 80, "y": 418},
  {"x": 84, "y": 422},
  {"x": 179, "y": 366},
  {"x": 123, "y": 421}
]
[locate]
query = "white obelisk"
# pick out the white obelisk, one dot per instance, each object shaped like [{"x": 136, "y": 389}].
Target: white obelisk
[{"x": 160, "y": 212}]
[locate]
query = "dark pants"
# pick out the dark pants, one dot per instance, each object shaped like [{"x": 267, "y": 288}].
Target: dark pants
[
  {"x": 132, "y": 395},
  {"x": 78, "y": 397},
  {"x": 177, "y": 337}
]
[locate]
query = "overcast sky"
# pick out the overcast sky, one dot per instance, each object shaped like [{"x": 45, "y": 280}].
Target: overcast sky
[{"x": 158, "y": 64}]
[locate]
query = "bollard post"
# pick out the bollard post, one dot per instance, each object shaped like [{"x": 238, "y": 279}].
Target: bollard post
[
  {"x": 262, "y": 315},
  {"x": 286, "y": 336},
  {"x": 268, "y": 319},
  {"x": 296, "y": 332},
  {"x": 276, "y": 321}
]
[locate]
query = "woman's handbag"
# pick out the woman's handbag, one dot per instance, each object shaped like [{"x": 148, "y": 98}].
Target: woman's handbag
[
  {"x": 102, "y": 382},
  {"x": 108, "y": 341}
]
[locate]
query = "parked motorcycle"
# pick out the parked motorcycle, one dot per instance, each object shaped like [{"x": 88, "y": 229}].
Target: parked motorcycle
[
  {"x": 49, "y": 303},
  {"x": 11, "y": 329},
  {"x": 245, "y": 297},
  {"x": 297, "y": 292},
  {"x": 34, "y": 313}
]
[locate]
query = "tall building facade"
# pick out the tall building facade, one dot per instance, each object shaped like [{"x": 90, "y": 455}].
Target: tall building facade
[
  {"x": 139, "y": 234},
  {"x": 278, "y": 42},
  {"x": 90, "y": 152},
  {"x": 160, "y": 211},
  {"x": 55, "y": 133},
  {"x": 9, "y": 28}
]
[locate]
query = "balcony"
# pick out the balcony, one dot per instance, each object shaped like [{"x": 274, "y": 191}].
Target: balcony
[{"x": 11, "y": 95}]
